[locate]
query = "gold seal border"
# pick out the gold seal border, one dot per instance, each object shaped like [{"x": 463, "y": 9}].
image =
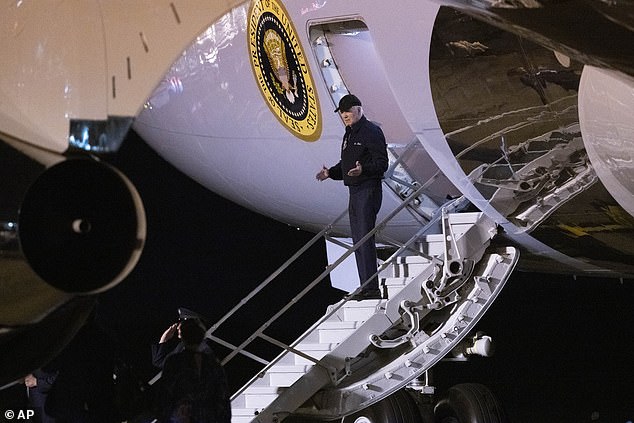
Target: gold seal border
[{"x": 302, "y": 129}]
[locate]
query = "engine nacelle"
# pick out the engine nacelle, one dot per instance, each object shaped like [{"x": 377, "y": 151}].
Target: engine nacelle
[
  {"x": 82, "y": 226},
  {"x": 80, "y": 230}
]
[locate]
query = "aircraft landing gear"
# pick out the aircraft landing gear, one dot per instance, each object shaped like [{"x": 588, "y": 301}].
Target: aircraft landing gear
[
  {"x": 462, "y": 403},
  {"x": 400, "y": 407},
  {"x": 469, "y": 402}
]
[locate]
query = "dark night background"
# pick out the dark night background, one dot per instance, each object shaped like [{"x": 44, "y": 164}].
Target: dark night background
[{"x": 564, "y": 346}]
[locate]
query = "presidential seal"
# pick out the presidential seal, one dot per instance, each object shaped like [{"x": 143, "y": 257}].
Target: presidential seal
[{"x": 280, "y": 69}]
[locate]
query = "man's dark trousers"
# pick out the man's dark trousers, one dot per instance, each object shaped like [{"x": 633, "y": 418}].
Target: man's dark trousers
[{"x": 364, "y": 204}]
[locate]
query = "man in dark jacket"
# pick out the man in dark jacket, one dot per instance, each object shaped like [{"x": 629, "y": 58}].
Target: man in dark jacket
[
  {"x": 170, "y": 342},
  {"x": 39, "y": 384},
  {"x": 362, "y": 165},
  {"x": 194, "y": 385}
]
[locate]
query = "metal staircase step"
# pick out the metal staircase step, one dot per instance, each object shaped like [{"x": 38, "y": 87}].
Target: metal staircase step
[
  {"x": 261, "y": 397},
  {"x": 307, "y": 347},
  {"x": 358, "y": 311},
  {"x": 394, "y": 285},
  {"x": 242, "y": 415},
  {"x": 408, "y": 266},
  {"x": 314, "y": 350},
  {"x": 434, "y": 245},
  {"x": 317, "y": 351},
  {"x": 335, "y": 332},
  {"x": 398, "y": 282},
  {"x": 411, "y": 260},
  {"x": 286, "y": 375}
]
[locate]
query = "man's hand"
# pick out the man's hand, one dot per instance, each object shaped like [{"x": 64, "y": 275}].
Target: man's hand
[
  {"x": 323, "y": 174},
  {"x": 356, "y": 171},
  {"x": 169, "y": 333},
  {"x": 30, "y": 381}
]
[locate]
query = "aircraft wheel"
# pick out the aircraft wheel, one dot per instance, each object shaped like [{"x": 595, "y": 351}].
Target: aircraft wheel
[
  {"x": 399, "y": 407},
  {"x": 469, "y": 403}
]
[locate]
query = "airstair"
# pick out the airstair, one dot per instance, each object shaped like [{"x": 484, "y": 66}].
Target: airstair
[
  {"x": 435, "y": 287},
  {"x": 362, "y": 351}
]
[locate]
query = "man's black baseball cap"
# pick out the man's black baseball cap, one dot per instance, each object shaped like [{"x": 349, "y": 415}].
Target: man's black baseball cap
[{"x": 347, "y": 102}]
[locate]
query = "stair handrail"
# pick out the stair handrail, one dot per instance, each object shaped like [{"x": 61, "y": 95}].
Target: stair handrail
[
  {"x": 275, "y": 273},
  {"x": 391, "y": 179},
  {"x": 327, "y": 271}
]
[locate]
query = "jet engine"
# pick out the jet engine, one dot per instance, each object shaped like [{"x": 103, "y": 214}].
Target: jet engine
[
  {"x": 78, "y": 230},
  {"x": 81, "y": 226}
]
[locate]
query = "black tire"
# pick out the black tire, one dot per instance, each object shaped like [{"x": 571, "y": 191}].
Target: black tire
[
  {"x": 399, "y": 407},
  {"x": 469, "y": 403}
]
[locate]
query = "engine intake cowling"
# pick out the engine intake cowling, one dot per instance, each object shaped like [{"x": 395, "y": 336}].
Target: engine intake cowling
[{"x": 82, "y": 226}]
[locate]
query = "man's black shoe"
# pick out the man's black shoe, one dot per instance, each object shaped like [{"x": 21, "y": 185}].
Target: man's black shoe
[{"x": 367, "y": 294}]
